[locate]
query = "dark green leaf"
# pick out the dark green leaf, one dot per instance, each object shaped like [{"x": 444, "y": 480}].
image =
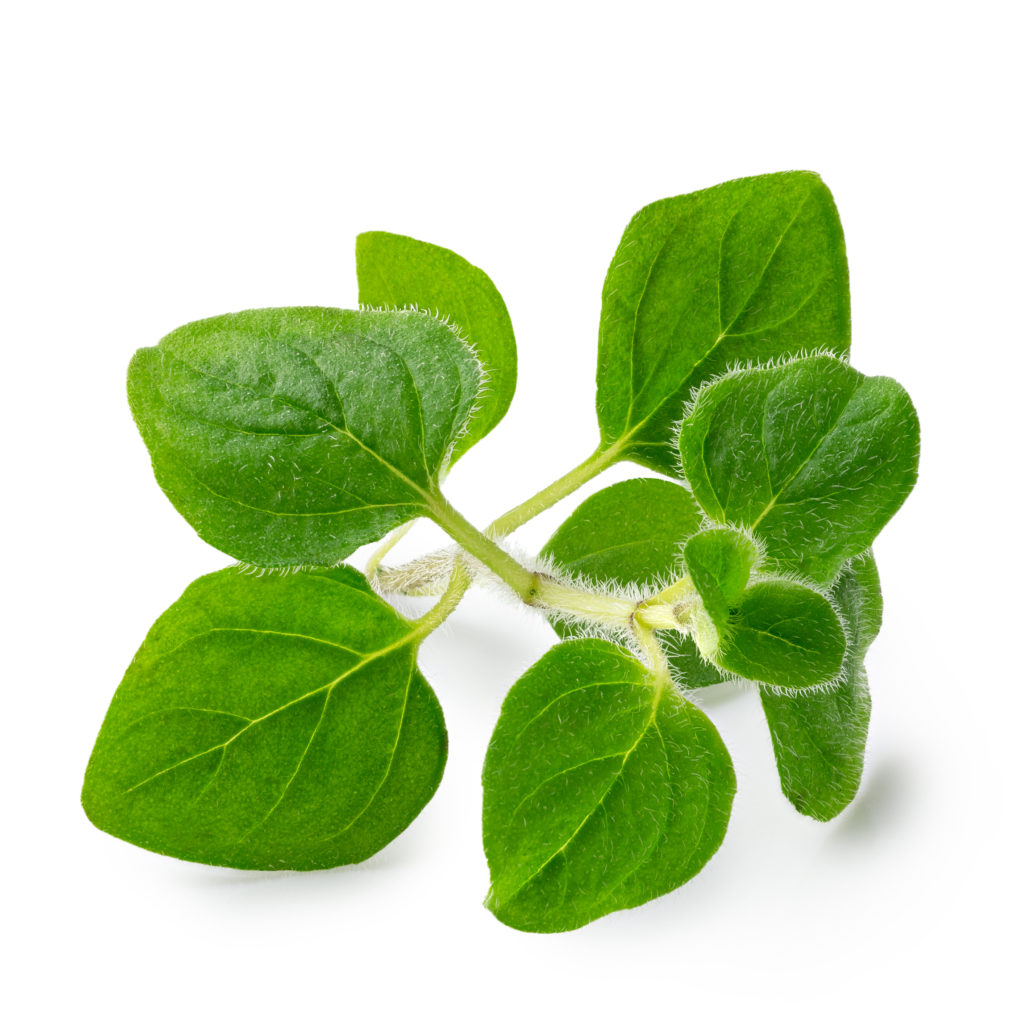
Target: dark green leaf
[
  {"x": 292, "y": 436},
  {"x": 772, "y": 631},
  {"x": 631, "y": 534},
  {"x": 269, "y": 723},
  {"x": 783, "y": 634},
  {"x": 602, "y": 790},
  {"x": 749, "y": 270},
  {"x": 812, "y": 455},
  {"x": 397, "y": 271},
  {"x": 819, "y": 737}
]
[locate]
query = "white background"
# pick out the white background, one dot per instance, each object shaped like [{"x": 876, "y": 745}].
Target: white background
[{"x": 166, "y": 162}]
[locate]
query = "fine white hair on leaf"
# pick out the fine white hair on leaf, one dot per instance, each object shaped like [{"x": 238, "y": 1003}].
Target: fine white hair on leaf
[
  {"x": 482, "y": 372},
  {"x": 733, "y": 370},
  {"x": 253, "y": 569}
]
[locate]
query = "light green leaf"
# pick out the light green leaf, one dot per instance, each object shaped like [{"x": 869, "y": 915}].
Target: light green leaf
[
  {"x": 631, "y": 534},
  {"x": 819, "y": 737},
  {"x": 292, "y": 436},
  {"x": 812, "y": 455},
  {"x": 602, "y": 790},
  {"x": 397, "y": 271},
  {"x": 269, "y": 723},
  {"x": 749, "y": 270}
]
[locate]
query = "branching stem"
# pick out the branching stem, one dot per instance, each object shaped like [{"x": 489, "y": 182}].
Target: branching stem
[{"x": 555, "y": 492}]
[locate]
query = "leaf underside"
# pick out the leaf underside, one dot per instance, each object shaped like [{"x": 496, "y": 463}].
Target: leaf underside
[
  {"x": 396, "y": 271},
  {"x": 819, "y": 737},
  {"x": 601, "y": 790},
  {"x": 269, "y": 723},
  {"x": 292, "y": 436},
  {"x": 753, "y": 269}
]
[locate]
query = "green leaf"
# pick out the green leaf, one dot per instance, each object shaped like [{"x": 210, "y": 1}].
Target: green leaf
[
  {"x": 819, "y": 737},
  {"x": 397, "y": 271},
  {"x": 772, "y": 631},
  {"x": 269, "y": 723},
  {"x": 784, "y": 634},
  {"x": 813, "y": 456},
  {"x": 749, "y": 270},
  {"x": 720, "y": 563},
  {"x": 631, "y": 535},
  {"x": 292, "y": 436},
  {"x": 602, "y": 790}
]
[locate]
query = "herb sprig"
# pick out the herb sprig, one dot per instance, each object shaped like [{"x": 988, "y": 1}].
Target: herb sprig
[{"x": 276, "y": 718}]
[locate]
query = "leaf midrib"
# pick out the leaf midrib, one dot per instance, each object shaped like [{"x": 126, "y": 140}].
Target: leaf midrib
[{"x": 615, "y": 781}]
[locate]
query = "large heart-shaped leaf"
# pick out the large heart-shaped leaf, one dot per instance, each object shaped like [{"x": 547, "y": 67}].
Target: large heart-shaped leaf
[
  {"x": 603, "y": 788},
  {"x": 292, "y": 436},
  {"x": 752, "y": 269},
  {"x": 269, "y": 723}
]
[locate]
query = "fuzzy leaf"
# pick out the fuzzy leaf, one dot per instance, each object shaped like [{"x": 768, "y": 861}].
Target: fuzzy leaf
[
  {"x": 397, "y": 271},
  {"x": 269, "y": 723},
  {"x": 632, "y": 534},
  {"x": 720, "y": 563},
  {"x": 812, "y": 455},
  {"x": 819, "y": 737},
  {"x": 292, "y": 436},
  {"x": 784, "y": 634},
  {"x": 749, "y": 270},
  {"x": 602, "y": 790}
]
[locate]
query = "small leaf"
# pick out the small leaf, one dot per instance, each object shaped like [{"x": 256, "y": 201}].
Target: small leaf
[
  {"x": 269, "y": 723},
  {"x": 784, "y": 634},
  {"x": 819, "y": 737},
  {"x": 397, "y": 271},
  {"x": 772, "y": 631},
  {"x": 812, "y": 455},
  {"x": 752, "y": 269},
  {"x": 632, "y": 534},
  {"x": 720, "y": 563},
  {"x": 602, "y": 790},
  {"x": 292, "y": 436}
]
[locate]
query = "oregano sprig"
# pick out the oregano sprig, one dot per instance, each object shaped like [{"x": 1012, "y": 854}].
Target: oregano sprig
[{"x": 275, "y": 718}]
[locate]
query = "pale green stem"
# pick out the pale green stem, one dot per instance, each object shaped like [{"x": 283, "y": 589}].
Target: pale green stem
[
  {"x": 555, "y": 492},
  {"x": 482, "y": 548},
  {"x": 458, "y": 584},
  {"x": 655, "y": 655},
  {"x": 388, "y": 543}
]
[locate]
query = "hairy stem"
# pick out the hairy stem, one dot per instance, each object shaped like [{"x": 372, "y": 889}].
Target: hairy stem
[
  {"x": 458, "y": 584},
  {"x": 373, "y": 562},
  {"x": 555, "y": 492},
  {"x": 485, "y": 550}
]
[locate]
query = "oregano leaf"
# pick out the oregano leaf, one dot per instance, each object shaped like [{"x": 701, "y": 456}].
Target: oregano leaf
[
  {"x": 292, "y": 436},
  {"x": 811, "y": 455},
  {"x": 720, "y": 563},
  {"x": 752, "y": 269},
  {"x": 783, "y": 634},
  {"x": 275, "y": 722},
  {"x": 603, "y": 788},
  {"x": 396, "y": 271},
  {"x": 819, "y": 737},
  {"x": 631, "y": 534}
]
